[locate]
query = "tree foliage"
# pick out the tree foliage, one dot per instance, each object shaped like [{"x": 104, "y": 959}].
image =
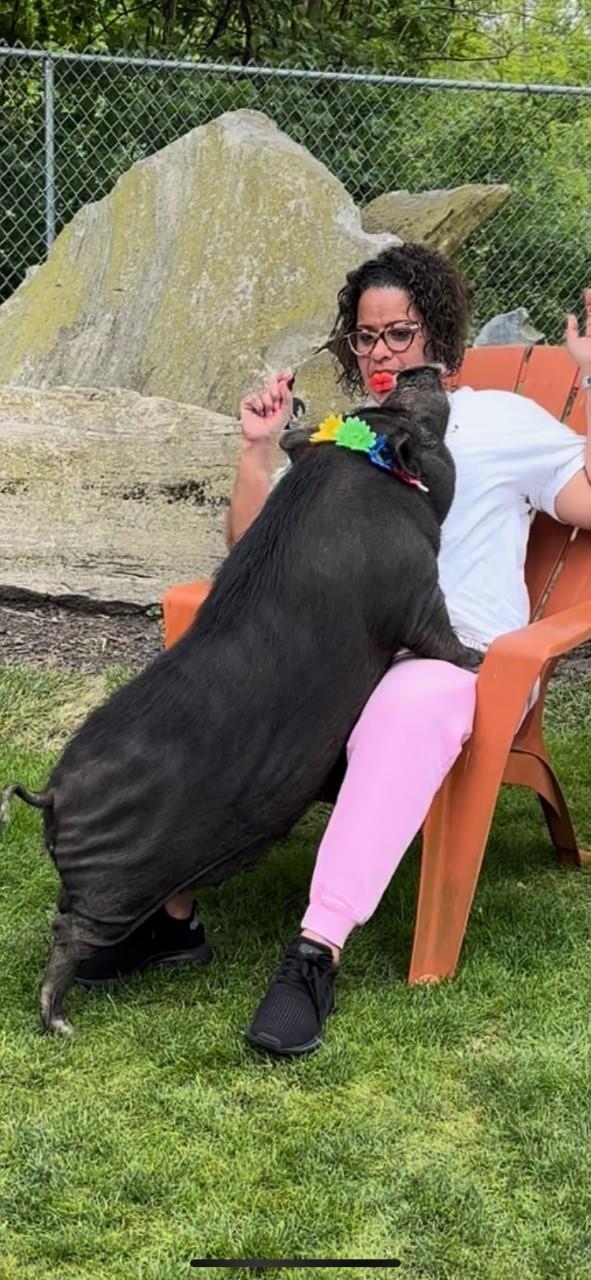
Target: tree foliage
[{"x": 545, "y": 39}]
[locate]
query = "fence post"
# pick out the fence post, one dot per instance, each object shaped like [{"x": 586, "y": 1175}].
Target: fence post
[{"x": 49, "y": 151}]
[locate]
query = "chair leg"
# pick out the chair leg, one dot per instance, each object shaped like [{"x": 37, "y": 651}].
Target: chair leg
[
  {"x": 560, "y": 826},
  {"x": 449, "y": 873},
  {"x": 532, "y": 769},
  {"x": 454, "y": 840}
]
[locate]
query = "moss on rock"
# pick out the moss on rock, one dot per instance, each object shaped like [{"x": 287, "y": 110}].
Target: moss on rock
[{"x": 180, "y": 281}]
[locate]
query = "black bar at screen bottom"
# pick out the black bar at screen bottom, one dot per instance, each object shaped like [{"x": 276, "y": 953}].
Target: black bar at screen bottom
[{"x": 295, "y": 1262}]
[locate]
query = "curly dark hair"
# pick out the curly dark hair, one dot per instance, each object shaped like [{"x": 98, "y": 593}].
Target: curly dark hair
[{"x": 435, "y": 286}]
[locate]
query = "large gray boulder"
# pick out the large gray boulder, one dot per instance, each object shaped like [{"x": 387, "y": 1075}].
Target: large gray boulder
[
  {"x": 206, "y": 261},
  {"x": 110, "y": 496},
  {"x": 441, "y": 219}
]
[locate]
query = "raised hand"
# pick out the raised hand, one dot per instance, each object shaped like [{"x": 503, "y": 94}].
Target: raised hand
[
  {"x": 579, "y": 344},
  {"x": 264, "y": 416}
]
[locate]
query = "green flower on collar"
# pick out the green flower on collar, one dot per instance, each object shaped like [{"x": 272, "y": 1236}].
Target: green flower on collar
[{"x": 355, "y": 434}]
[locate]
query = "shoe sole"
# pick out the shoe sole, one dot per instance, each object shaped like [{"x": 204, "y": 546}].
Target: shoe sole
[
  {"x": 196, "y": 955},
  {"x": 270, "y": 1045}
]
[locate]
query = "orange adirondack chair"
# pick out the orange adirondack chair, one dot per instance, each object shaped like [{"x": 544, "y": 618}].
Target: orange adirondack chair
[{"x": 558, "y": 572}]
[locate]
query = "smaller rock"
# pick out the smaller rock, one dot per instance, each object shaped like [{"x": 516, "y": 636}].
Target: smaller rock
[
  {"x": 510, "y": 329},
  {"x": 441, "y": 219}
]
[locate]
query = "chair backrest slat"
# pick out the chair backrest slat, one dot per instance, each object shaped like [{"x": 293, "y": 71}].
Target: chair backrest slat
[
  {"x": 492, "y": 368},
  {"x": 549, "y": 543},
  {"x": 573, "y": 584},
  {"x": 549, "y": 377},
  {"x": 577, "y": 416}
]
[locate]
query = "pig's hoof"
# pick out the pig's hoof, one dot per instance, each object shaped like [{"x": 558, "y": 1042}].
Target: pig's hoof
[
  {"x": 472, "y": 659},
  {"x": 52, "y": 1020},
  {"x": 58, "y": 1026},
  {"x": 61, "y": 1027}
]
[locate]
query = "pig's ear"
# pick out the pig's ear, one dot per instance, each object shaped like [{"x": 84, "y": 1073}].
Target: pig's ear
[
  {"x": 296, "y": 442},
  {"x": 406, "y": 450}
]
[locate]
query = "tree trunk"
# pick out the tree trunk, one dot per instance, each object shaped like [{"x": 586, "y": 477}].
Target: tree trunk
[
  {"x": 248, "y": 50},
  {"x": 168, "y": 20}
]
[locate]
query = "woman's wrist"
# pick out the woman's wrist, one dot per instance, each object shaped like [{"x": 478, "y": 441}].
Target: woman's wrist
[
  {"x": 257, "y": 458},
  {"x": 257, "y": 446}
]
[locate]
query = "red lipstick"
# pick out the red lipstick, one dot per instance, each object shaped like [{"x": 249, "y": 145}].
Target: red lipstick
[{"x": 382, "y": 381}]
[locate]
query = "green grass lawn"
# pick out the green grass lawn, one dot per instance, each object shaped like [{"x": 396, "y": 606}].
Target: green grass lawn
[{"x": 449, "y": 1127}]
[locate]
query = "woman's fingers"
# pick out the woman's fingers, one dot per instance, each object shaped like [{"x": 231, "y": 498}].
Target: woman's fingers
[
  {"x": 263, "y": 404},
  {"x": 254, "y": 404},
  {"x": 572, "y": 324},
  {"x": 278, "y": 388},
  {"x": 578, "y": 341},
  {"x": 271, "y": 400},
  {"x": 587, "y": 302},
  {"x": 268, "y": 412}
]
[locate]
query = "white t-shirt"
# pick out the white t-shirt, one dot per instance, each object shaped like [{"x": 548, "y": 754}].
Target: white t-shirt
[{"x": 512, "y": 459}]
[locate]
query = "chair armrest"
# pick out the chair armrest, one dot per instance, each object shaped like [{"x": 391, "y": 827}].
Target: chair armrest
[
  {"x": 541, "y": 641},
  {"x": 516, "y": 660},
  {"x": 179, "y": 606}
]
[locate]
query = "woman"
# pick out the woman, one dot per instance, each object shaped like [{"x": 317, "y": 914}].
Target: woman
[{"x": 406, "y": 307}]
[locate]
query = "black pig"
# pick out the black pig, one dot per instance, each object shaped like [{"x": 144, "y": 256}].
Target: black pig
[{"x": 191, "y": 770}]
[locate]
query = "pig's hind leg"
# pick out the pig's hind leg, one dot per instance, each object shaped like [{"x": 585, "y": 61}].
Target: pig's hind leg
[{"x": 68, "y": 949}]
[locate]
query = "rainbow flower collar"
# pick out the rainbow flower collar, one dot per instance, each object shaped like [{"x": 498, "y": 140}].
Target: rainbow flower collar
[{"x": 354, "y": 433}]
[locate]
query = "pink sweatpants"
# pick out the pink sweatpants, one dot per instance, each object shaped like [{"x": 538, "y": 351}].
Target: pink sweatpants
[{"x": 404, "y": 743}]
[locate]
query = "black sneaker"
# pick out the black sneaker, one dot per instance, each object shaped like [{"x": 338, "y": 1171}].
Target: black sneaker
[
  {"x": 290, "y": 1017},
  {"x": 160, "y": 940}
]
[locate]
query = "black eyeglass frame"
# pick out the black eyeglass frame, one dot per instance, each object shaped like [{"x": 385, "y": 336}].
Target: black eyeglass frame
[{"x": 412, "y": 325}]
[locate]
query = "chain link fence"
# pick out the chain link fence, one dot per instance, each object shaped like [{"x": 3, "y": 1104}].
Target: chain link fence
[{"x": 71, "y": 124}]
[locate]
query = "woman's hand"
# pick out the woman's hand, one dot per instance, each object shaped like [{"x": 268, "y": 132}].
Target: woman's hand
[
  {"x": 265, "y": 416},
  {"x": 579, "y": 345}
]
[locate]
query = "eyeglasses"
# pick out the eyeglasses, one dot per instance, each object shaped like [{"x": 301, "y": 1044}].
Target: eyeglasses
[{"x": 398, "y": 338}]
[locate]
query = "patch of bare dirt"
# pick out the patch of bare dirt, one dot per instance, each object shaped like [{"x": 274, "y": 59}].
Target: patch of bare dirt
[
  {"x": 54, "y": 635},
  {"x": 51, "y": 635},
  {"x": 576, "y": 664}
]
